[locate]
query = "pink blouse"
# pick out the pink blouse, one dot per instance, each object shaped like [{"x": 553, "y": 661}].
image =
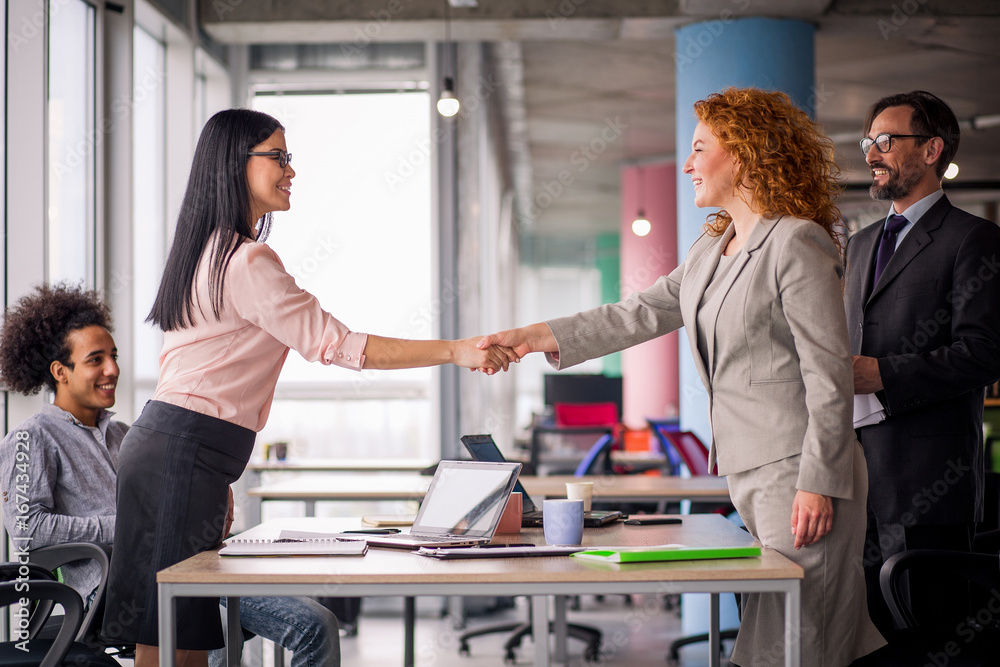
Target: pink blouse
[{"x": 227, "y": 368}]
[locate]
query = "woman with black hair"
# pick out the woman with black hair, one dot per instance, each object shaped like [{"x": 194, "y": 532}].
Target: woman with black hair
[{"x": 229, "y": 312}]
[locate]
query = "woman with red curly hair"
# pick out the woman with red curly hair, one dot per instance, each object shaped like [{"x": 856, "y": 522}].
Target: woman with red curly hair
[{"x": 760, "y": 296}]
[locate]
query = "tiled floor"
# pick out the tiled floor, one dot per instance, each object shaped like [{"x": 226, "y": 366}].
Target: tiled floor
[{"x": 635, "y": 636}]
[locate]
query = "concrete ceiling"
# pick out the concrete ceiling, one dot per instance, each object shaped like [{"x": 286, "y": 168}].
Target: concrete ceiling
[{"x": 586, "y": 63}]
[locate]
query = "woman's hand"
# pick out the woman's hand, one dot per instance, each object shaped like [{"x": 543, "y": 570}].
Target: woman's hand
[
  {"x": 230, "y": 515},
  {"x": 532, "y": 338},
  {"x": 489, "y": 360},
  {"x": 812, "y": 517}
]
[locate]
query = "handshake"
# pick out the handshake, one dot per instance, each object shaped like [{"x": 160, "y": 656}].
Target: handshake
[{"x": 497, "y": 351}]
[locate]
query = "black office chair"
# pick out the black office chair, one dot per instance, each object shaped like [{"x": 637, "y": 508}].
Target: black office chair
[
  {"x": 28, "y": 648},
  {"x": 971, "y": 642}
]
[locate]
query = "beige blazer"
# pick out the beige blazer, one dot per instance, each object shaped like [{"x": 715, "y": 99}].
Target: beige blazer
[{"x": 778, "y": 373}]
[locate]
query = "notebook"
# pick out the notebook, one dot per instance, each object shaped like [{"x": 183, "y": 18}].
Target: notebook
[
  {"x": 320, "y": 546},
  {"x": 483, "y": 448},
  {"x": 462, "y": 506}
]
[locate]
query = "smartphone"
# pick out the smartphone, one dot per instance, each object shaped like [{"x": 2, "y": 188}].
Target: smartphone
[{"x": 651, "y": 521}]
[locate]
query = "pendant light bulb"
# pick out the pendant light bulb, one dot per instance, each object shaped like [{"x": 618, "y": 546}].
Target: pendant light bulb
[
  {"x": 641, "y": 226},
  {"x": 448, "y": 105}
]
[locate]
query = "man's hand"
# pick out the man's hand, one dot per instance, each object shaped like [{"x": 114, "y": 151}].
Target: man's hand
[
  {"x": 867, "y": 379},
  {"x": 812, "y": 517}
]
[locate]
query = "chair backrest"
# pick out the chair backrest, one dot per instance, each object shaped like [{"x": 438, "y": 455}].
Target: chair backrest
[
  {"x": 660, "y": 429},
  {"x": 56, "y": 555},
  {"x": 598, "y": 458},
  {"x": 586, "y": 414},
  {"x": 40, "y": 589},
  {"x": 691, "y": 449}
]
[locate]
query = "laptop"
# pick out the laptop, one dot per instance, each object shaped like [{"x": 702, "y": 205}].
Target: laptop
[
  {"x": 461, "y": 508},
  {"x": 483, "y": 448}
]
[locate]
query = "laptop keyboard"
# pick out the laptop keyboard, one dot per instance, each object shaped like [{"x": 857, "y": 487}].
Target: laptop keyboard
[{"x": 426, "y": 538}]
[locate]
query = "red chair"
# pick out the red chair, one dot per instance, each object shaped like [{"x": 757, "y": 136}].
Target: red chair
[
  {"x": 691, "y": 449},
  {"x": 586, "y": 414}
]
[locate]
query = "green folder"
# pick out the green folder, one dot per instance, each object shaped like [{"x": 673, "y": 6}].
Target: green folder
[{"x": 665, "y": 552}]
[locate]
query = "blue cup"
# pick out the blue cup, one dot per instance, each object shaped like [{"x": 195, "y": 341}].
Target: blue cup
[{"x": 562, "y": 522}]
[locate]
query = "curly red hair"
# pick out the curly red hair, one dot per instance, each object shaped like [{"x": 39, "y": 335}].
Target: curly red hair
[{"x": 785, "y": 160}]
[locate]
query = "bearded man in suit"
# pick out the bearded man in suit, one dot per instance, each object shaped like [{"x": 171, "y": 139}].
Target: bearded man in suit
[{"x": 923, "y": 311}]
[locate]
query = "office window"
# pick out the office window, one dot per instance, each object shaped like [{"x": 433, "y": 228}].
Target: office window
[
  {"x": 148, "y": 203},
  {"x": 73, "y": 142},
  {"x": 358, "y": 236}
]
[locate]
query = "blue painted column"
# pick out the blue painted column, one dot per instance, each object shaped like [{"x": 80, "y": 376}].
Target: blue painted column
[{"x": 773, "y": 54}]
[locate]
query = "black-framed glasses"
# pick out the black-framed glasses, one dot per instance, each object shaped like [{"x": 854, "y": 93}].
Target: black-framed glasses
[
  {"x": 281, "y": 156},
  {"x": 883, "y": 142}
]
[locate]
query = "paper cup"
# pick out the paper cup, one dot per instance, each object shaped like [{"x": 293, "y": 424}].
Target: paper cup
[{"x": 581, "y": 491}]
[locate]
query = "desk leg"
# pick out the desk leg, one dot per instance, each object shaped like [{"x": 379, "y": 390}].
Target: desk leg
[
  {"x": 793, "y": 624},
  {"x": 540, "y": 629},
  {"x": 560, "y": 631},
  {"x": 234, "y": 633},
  {"x": 168, "y": 639},
  {"x": 714, "y": 649},
  {"x": 409, "y": 621}
]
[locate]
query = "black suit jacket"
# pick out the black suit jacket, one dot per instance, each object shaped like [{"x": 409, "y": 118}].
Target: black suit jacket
[{"x": 933, "y": 323}]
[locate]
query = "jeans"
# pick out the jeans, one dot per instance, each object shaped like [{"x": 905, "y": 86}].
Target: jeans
[{"x": 303, "y": 626}]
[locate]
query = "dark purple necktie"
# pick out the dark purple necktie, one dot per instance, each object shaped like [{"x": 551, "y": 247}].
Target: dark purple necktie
[{"x": 887, "y": 245}]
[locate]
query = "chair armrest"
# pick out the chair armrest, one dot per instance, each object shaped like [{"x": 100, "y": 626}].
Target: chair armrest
[{"x": 983, "y": 569}]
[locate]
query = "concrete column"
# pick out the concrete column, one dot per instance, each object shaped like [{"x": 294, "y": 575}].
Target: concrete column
[{"x": 773, "y": 54}]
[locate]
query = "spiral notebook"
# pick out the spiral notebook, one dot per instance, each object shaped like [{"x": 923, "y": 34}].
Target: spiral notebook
[{"x": 317, "y": 546}]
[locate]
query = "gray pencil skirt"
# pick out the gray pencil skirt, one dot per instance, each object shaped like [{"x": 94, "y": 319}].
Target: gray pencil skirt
[{"x": 173, "y": 472}]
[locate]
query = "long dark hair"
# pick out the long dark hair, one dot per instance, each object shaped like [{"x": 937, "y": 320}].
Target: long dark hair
[{"x": 216, "y": 206}]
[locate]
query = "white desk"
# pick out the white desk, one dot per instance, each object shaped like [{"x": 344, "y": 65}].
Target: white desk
[
  {"x": 607, "y": 488},
  {"x": 399, "y": 573}
]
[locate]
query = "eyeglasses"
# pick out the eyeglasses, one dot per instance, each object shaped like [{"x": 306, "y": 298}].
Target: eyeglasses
[
  {"x": 883, "y": 142},
  {"x": 281, "y": 156}
]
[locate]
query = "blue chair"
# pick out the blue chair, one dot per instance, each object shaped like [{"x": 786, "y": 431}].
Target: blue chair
[{"x": 597, "y": 460}]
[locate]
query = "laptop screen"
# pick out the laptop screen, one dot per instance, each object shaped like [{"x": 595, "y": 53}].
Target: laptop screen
[
  {"x": 483, "y": 448},
  {"x": 466, "y": 498}
]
